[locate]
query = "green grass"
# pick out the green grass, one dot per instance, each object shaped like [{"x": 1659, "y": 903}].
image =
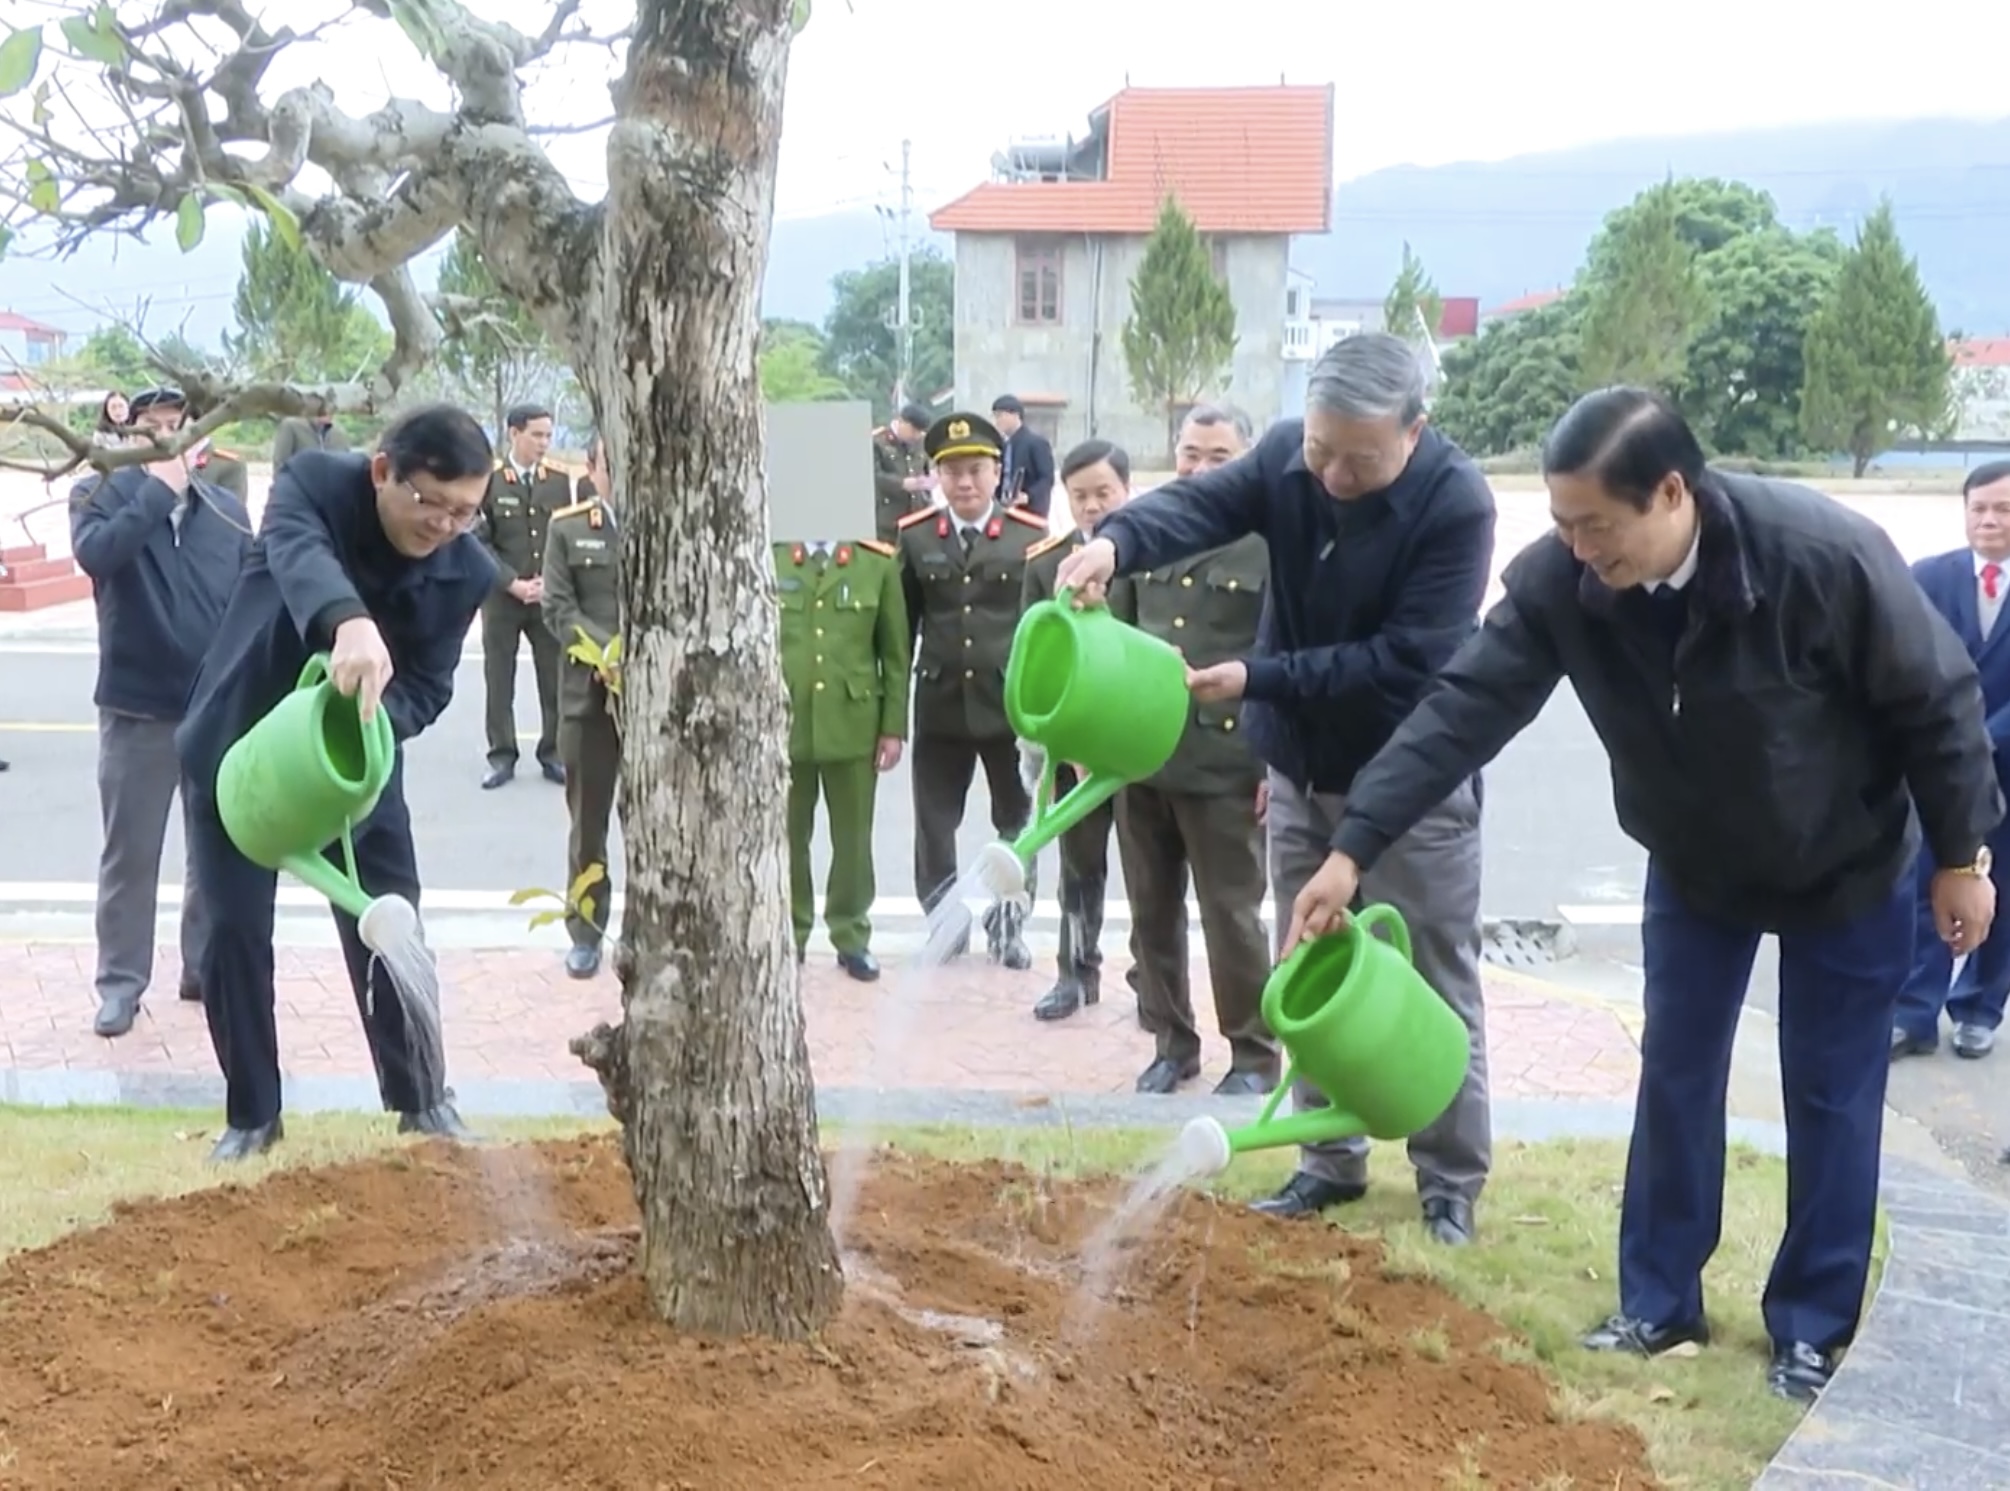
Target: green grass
[{"x": 1543, "y": 1264}]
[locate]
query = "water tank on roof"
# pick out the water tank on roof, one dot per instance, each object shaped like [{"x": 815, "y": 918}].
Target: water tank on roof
[{"x": 1038, "y": 157}]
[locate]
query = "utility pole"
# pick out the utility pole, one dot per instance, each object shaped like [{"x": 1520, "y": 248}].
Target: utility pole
[{"x": 904, "y": 319}]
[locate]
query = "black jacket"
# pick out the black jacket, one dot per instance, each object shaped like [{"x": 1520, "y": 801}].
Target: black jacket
[
  {"x": 1368, "y": 599},
  {"x": 1771, "y": 766},
  {"x": 159, "y": 592},
  {"x": 321, "y": 559},
  {"x": 1027, "y": 470}
]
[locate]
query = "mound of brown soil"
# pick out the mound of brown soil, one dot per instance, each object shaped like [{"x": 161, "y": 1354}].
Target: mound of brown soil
[{"x": 443, "y": 1318}]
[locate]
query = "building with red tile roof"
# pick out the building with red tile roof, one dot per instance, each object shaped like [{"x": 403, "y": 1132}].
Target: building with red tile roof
[{"x": 1045, "y": 251}]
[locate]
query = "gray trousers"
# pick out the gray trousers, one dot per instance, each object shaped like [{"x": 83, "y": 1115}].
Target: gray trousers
[
  {"x": 1432, "y": 876},
  {"x": 139, "y": 773}
]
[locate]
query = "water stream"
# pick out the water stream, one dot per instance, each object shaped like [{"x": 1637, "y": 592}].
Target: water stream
[{"x": 950, "y": 929}]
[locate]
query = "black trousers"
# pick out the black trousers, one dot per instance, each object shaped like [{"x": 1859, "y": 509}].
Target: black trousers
[{"x": 237, "y": 968}]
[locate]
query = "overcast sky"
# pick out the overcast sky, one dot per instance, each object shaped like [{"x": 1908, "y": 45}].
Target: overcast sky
[{"x": 1423, "y": 84}]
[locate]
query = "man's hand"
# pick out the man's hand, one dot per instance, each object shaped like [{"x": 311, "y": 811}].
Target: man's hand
[
  {"x": 1088, "y": 572},
  {"x": 914, "y": 483},
  {"x": 359, "y": 665},
  {"x": 1221, "y": 684},
  {"x": 171, "y": 473},
  {"x": 527, "y": 591},
  {"x": 886, "y": 755},
  {"x": 1963, "y": 907},
  {"x": 1322, "y": 906}
]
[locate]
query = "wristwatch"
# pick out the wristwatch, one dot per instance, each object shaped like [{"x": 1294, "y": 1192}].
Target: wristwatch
[{"x": 1984, "y": 861}]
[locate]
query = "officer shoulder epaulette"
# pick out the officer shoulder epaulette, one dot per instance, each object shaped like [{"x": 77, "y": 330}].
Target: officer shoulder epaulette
[
  {"x": 885, "y": 551},
  {"x": 224, "y": 455},
  {"x": 1027, "y": 516},
  {"x": 919, "y": 515},
  {"x": 576, "y": 508},
  {"x": 1046, "y": 545},
  {"x": 499, "y": 463},
  {"x": 879, "y": 432}
]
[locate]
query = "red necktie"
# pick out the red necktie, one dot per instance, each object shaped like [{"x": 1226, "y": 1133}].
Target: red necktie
[{"x": 1992, "y": 577}]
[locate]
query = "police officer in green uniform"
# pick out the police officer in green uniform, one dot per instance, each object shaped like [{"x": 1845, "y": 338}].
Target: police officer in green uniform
[
  {"x": 1097, "y": 477},
  {"x": 516, "y": 515},
  {"x": 1200, "y": 816},
  {"x": 314, "y": 430},
  {"x": 963, "y": 568},
  {"x": 582, "y": 564},
  {"x": 845, "y": 640},
  {"x": 900, "y": 476}
]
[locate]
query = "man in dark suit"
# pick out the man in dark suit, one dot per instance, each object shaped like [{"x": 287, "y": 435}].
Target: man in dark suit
[
  {"x": 1968, "y": 587},
  {"x": 1026, "y": 472},
  {"x": 1786, "y": 719},
  {"x": 369, "y": 559}
]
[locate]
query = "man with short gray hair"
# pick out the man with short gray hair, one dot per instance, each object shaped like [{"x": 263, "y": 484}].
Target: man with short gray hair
[{"x": 1380, "y": 533}]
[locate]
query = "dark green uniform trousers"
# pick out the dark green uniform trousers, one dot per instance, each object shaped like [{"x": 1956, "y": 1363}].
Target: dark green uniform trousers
[
  {"x": 591, "y": 751},
  {"x": 1085, "y": 879},
  {"x": 848, "y": 789},
  {"x": 504, "y": 620},
  {"x": 1162, "y": 836}
]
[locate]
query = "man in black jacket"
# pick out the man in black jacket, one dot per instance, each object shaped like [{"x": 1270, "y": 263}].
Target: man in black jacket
[
  {"x": 1381, "y": 539},
  {"x": 1026, "y": 470},
  {"x": 163, "y": 546},
  {"x": 1776, "y": 696},
  {"x": 368, "y": 558}
]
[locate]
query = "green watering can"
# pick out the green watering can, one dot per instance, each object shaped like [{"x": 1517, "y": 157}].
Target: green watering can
[
  {"x": 1360, "y": 1025},
  {"x": 301, "y": 779},
  {"x": 1094, "y": 692}
]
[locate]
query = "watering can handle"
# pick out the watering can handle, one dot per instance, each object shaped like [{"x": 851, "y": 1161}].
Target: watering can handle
[
  {"x": 1385, "y": 915},
  {"x": 379, "y": 739}
]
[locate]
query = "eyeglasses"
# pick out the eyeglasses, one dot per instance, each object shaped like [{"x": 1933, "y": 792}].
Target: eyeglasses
[{"x": 439, "y": 514}]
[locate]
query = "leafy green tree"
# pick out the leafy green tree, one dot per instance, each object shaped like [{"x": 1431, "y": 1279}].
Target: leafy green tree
[
  {"x": 1742, "y": 386},
  {"x": 1709, "y": 213},
  {"x": 861, "y": 349},
  {"x": 1504, "y": 388},
  {"x": 1644, "y": 301},
  {"x": 295, "y": 320},
  {"x": 1181, "y": 333},
  {"x": 1414, "y": 307},
  {"x": 792, "y": 371},
  {"x": 493, "y": 348},
  {"x": 1877, "y": 366}
]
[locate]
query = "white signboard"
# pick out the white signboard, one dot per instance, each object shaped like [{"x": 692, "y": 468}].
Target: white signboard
[{"x": 819, "y": 460}]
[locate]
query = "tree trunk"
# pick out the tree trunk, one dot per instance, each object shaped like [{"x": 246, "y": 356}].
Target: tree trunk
[{"x": 709, "y": 1072}]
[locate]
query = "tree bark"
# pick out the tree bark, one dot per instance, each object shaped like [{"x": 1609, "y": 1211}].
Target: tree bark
[{"x": 709, "y": 1070}]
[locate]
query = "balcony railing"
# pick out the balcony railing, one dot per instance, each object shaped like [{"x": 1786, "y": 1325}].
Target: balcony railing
[{"x": 1301, "y": 341}]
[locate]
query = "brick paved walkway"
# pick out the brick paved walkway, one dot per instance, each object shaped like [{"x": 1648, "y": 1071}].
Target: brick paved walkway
[{"x": 509, "y": 1014}]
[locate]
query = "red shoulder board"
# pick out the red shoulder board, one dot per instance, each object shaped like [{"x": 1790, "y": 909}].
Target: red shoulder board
[
  {"x": 919, "y": 515},
  {"x": 995, "y": 527},
  {"x": 1027, "y": 516},
  {"x": 509, "y": 474},
  {"x": 798, "y": 553},
  {"x": 843, "y": 555},
  {"x": 874, "y": 546}
]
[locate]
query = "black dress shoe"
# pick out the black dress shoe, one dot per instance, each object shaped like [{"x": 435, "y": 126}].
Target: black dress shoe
[
  {"x": 1973, "y": 1042},
  {"x": 582, "y": 962},
  {"x": 1903, "y": 1045},
  {"x": 553, "y": 772},
  {"x": 1244, "y": 1084},
  {"x": 499, "y": 776},
  {"x": 1165, "y": 1075},
  {"x": 1068, "y": 995},
  {"x": 1308, "y": 1195},
  {"x": 861, "y": 965},
  {"x": 1638, "y": 1338},
  {"x": 1798, "y": 1372},
  {"x": 437, "y": 1122},
  {"x": 116, "y": 1014},
  {"x": 190, "y": 991},
  {"x": 1449, "y": 1220},
  {"x": 242, "y": 1144}
]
